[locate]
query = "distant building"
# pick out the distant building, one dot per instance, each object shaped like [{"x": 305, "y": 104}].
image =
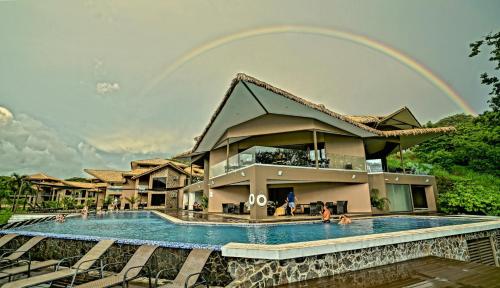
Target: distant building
[
  {"x": 54, "y": 189},
  {"x": 153, "y": 183}
]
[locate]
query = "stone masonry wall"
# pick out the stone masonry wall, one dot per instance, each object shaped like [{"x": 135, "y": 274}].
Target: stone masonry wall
[{"x": 267, "y": 273}]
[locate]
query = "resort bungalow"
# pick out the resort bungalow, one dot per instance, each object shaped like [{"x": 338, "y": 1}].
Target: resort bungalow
[
  {"x": 54, "y": 189},
  {"x": 151, "y": 183},
  {"x": 263, "y": 142}
]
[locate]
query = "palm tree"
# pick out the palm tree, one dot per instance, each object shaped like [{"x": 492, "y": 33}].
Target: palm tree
[
  {"x": 132, "y": 200},
  {"x": 16, "y": 184},
  {"x": 5, "y": 191}
]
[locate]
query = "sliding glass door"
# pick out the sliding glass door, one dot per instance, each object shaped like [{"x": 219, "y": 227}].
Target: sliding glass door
[{"x": 399, "y": 197}]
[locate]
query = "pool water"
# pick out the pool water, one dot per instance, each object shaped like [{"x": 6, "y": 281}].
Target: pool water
[{"x": 148, "y": 226}]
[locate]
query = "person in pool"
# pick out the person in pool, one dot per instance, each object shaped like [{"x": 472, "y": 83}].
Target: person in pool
[
  {"x": 326, "y": 214},
  {"x": 291, "y": 202},
  {"x": 344, "y": 220}
]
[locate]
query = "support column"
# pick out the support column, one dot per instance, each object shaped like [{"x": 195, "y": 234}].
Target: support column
[
  {"x": 316, "y": 161},
  {"x": 227, "y": 156},
  {"x": 401, "y": 157},
  {"x": 258, "y": 186},
  {"x": 191, "y": 173},
  {"x": 206, "y": 177}
]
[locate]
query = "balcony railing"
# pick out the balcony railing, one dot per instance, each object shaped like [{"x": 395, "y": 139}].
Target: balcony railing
[{"x": 286, "y": 157}]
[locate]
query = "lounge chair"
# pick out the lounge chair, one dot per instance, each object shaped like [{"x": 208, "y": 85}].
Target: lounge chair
[
  {"x": 13, "y": 264},
  {"x": 6, "y": 239},
  {"x": 10, "y": 256},
  {"x": 131, "y": 270},
  {"x": 80, "y": 267},
  {"x": 190, "y": 271}
]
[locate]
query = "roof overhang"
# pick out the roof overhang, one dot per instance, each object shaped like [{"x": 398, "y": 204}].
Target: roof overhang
[{"x": 247, "y": 99}]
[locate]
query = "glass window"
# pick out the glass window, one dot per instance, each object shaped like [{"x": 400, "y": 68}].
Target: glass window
[
  {"x": 159, "y": 182},
  {"x": 399, "y": 197}
]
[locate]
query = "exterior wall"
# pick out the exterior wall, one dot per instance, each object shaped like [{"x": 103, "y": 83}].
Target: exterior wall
[
  {"x": 228, "y": 194},
  {"x": 357, "y": 195},
  {"x": 344, "y": 145},
  {"x": 379, "y": 181}
]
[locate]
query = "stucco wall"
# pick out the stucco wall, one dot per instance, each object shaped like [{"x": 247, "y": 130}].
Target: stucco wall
[
  {"x": 229, "y": 194},
  {"x": 357, "y": 194}
]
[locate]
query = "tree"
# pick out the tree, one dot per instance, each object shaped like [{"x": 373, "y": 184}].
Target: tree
[
  {"x": 19, "y": 185},
  {"x": 5, "y": 191},
  {"x": 491, "y": 41}
]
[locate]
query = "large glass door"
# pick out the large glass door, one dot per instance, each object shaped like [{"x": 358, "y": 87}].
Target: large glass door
[{"x": 399, "y": 197}]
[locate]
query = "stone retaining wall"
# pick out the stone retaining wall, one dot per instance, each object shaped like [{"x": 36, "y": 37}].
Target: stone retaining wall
[{"x": 267, "y": 273}]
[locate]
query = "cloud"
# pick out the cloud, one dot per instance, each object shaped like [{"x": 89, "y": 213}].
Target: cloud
[
  {"x": 105, "y": 87},
  {"x": 28, "y": 146},
  {"x": 5, "y": 116},
  {"x": 142, "y": 141}
]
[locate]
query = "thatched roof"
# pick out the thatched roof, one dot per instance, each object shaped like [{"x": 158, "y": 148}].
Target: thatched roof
[
  {"x": 364, "y": 119},
  {"x": 82, "y": 185},
  {"x": 149, "y": 171},
  {"x": 358, "y": 121},
  {"x": 196, "y": 171},
  {"x": 155, "y": 162},
  {"x": 418, "y": 131},
  {"x": 43, "y": 177},
  {"x": 113, "y": 176}
]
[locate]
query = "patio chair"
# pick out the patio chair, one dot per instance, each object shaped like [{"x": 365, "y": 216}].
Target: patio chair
[
  {"x": 131, "y": 270},
  {"x": 225, "y": 208},
  {"x": 190, "y": 270},
  {"x": 85, "y": 263},
  {"x": 342, "y": 207},
  {"x": 314, "y": 209}
]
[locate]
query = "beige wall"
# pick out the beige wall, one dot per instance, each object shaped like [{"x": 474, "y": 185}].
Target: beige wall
[
  {"x": 344, "y": 145},
  {"x": 380, "y": 180},
  {"x": 357, "y": 194},
  {"x": 228, "y": 194}
]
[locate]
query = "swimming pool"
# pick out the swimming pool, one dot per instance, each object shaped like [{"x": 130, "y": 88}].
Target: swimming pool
[{"x": 150, "y": 227}]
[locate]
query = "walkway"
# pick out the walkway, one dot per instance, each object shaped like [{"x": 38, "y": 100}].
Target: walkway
[{"x": 419, "y": 273}]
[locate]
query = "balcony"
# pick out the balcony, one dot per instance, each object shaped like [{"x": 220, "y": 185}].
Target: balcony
[{"x": 286, "y": 157}]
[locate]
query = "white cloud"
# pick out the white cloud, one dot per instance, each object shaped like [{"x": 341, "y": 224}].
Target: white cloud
[
  {"x": 142, "y": 141},
  {"x": 28, "y": 146},
  {"x": 106, "y": 87},
  {"x": 5, "y": 116}
]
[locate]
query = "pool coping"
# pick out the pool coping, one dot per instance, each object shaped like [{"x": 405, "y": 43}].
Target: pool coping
[{"x": 319, "y": 247}]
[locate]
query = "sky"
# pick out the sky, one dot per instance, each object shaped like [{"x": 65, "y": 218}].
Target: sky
[{"x": 96, "y": 84}]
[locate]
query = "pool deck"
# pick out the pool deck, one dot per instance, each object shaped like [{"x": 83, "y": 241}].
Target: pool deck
[{"x": 419, "y": 273}]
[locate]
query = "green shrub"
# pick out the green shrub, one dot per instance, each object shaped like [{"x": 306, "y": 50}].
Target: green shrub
[
  {"x": 5, "y": 215},
  {"x": 468, "y": 192}
]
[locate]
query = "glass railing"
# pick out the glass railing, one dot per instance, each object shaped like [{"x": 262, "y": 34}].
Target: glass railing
[{"x": 286, "y": 157}]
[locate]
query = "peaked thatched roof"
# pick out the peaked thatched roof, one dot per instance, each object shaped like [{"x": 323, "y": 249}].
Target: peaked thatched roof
[
  {"x": 358, "y": 121},
  {"x": 43, "y": 177}
]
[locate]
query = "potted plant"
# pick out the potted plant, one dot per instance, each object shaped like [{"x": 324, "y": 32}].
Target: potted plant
[
  {"x": 379, "y": 204},
  {"x": 204, "y": 202}
]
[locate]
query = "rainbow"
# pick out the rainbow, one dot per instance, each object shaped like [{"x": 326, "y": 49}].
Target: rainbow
[{"x": 329, "y": 32}]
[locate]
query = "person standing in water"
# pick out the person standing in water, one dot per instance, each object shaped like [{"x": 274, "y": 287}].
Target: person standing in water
[
  {"x": 291, "y": 202},
  {"x": 326, "y": 214}
]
